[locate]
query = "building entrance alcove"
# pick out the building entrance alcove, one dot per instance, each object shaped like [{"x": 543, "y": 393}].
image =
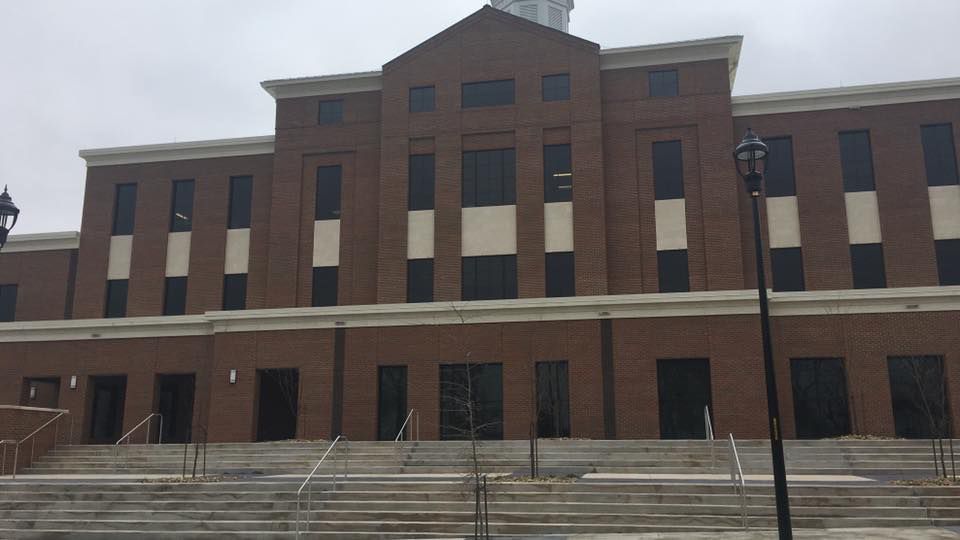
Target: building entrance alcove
[
  {"x": 684, "y": 388},
  {"x": 278, "y": 392},
  {"x": 107, "y": 396},
  {"x": 174, "y": 401},
  {"x": 41, "y": 392}
]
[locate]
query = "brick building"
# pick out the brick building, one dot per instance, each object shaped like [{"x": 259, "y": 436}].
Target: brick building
[{"x": 564, "y": 219}]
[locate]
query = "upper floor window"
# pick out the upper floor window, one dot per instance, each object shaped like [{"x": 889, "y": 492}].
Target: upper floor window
[
  {"x": 664, "y": 83},
  {"x": 491, "y": 277},
  {"x": 487, "y": 94},
  {"x": 421, "y": 182},
  {"x": 856, "y": 160},
  {"x": 328, "y": 192},
  {"x": 241, "y": 196},
  {"x": 423, "y": 99},
  {"x": 779, "y": 175},
  {"x": 234, "y": 292},
  {"x": 667, "y": 170},
  {"x": 556, "y": 87},
  {"x": 557, "y": 173},
  {"x": 939, "y": 155},
  {"x": 331, "y": 112},
  {"x": 8, "y": 303},
  {"x": 116, "y": 304},
  {"x": 181, "y": 209},
  {"x": 124, "y": 208},
  {"x": 489, "y": 178}
]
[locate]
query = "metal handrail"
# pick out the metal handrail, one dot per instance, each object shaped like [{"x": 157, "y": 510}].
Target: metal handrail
[
  {"x": 33, "y": 442},
  {"x": 142, "y": 422},
  {"x": 708, "y": 428},
  {"x": 739, "y": 483},
  {"x": 309, "y": 486},
  {"x": 414, "y": 427}
]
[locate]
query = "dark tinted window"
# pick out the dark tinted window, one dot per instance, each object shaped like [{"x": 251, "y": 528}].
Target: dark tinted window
[
  {"x": 175, "y": 296},
  {"x": 819, "y": 397},
  {"x": 234, "y": 292},
  {"x": 325, "y": 280},
  {"x": 124, "y": 209},
  {"x": 421, "y": 187},
  {"x": 489, "y": 278},
  {"x": 557, "y": 173},
  {"x": 116, "y": 305},
  {"x": 856, "y": 160},
  {"x": 664, "y": 83},
  {"x": 684, "y": 389},
  {"x": 489, "y": 178},
  {"x": 667, "y": 170},
  {"x": 560, "y": 275},
  {"x": 866, "y": 261},
  {"x": 422, "y": 99},
  {"x": 918, "y": 391},
  {"x": 391, "y": 401},
  {"x": 553, "y": 400},
  {"x": 420, "y": 280},
  {"x": 556, "y": 87},
  {"x": 672, "y": 271},
  {"x": 779, "y": 177},
  {"x": 471, "y": 387},
  {"x": 331, "y": 112},
  {"x": 487, "y": 94},
  {"x": 787, "y": 268},
  {"x": 948, "y": 261},
  {"x": 939, "y": 155},
  {"x": 328, "y": 192},
  {"x": 241, "y": 196},
  {"x": 8, "y": 303},
  {"x": 181, "y": 208}
]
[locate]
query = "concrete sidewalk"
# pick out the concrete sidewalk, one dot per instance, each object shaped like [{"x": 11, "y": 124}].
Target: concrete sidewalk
[{"x": 827, "y": 534}]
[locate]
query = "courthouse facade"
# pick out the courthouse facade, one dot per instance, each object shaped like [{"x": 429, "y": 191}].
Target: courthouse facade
[{"x": 558, "y": 224}]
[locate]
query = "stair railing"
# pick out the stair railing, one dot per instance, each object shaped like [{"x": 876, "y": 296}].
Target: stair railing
[
  {"x": 148, "y": 420},
  {"x": 413, "y": 422},
  {"x": 55, "y": 422},
  {"x": 708, "y": 428},
  {"x": 739, "y": 483},
  {"x": 308, "y": 482}
]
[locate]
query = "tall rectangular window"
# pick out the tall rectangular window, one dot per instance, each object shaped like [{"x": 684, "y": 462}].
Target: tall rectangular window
[
  {"x": 556, "y": 87},
  {"x": 948, "y": 261},
  {"x": 491, "y": 277},
  {"x": 391, "y": 401},
  {"x": 175, "y": 296},
  {"x": 557, "y": 173},
  {"x": 423, "y": 99},
  {"x": 664, "y": 83},
  {"x": 421, "y": 187},
  {"x": 560, "y": 275},
  {"x": 116, "y": 305},
  {"x": 673, "y": 271},
  {"x": 489, "y": 178},
  {"x": 856, "y": 160},
  {"x": 918, "y": 391},
  {"x": 124, "y": 209},
  {"x": 471, "y": 391},
  {"x": 331, "y": 112},
  {"x": 8, "y": 303},
  {"x": 866, "y": 262},
  {"x": 419, "y": 280},
  {"x": 779, "y": 177},
  {"x": 325, "y": 279},
  {"x": 234, "y": 292},
  {"x": 787, "y": 269},
  {"x": 487, "y": 94},
  {"x": 939, "y": 155},
  {"x": 684, "y": 389},
  {"x": 241, "y": 197},
  {"x": 181, "y": 207},
  {"x": 819, "y": 397},
  {"x": 553, "y": 400},
  {"x": 329, "y": 181},
  {"x": 667, "y": 170}
]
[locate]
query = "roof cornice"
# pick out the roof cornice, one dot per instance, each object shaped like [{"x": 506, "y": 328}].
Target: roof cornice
[
  {"x": 215, "y": 148},
  {"x": 53, "y": 241},
  {"x": 678, "y": 52},
  {"x": 847, "y": 97},
  {"x": 324, "y": 85}
]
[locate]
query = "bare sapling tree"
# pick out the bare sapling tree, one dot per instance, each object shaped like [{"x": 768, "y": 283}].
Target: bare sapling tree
[{"x": 930, "y": 398}]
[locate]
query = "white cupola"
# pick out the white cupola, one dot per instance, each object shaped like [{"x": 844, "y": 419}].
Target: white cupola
[{"x": 552, "y": 13}]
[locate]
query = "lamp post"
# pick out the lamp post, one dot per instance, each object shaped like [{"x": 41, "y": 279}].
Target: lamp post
[
  {"x": 8, "y": 216},
  {"x": 751, "y": 159}
]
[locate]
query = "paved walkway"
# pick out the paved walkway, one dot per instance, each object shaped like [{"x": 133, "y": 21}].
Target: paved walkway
[
  {"x": 725, "y": 478},
  {"x": 827, "y": 534}
]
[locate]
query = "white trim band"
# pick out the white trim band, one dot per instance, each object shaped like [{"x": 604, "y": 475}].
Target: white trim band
[
  {"x": 21, "y": 243},
  {"x": 217, "y": 148}
]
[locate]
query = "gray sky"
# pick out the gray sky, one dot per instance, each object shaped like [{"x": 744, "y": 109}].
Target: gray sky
[{"x": 95, "y": 73}]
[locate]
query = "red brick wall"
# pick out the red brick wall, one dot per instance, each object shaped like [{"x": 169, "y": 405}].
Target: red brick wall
[
  {"x": 43, "y": 281},
  {"x": 16, "y": 423}
]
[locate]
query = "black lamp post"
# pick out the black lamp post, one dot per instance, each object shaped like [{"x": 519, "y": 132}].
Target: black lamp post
[
  {"x": 751, "y": 158},
  {"x": 8, "y": 216}
]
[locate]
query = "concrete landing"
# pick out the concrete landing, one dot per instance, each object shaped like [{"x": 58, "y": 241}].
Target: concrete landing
[{"x": 831, "y": 534}]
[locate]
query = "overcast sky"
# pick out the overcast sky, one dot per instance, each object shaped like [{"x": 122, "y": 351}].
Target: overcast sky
[{"x": 97, "y": 73}]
